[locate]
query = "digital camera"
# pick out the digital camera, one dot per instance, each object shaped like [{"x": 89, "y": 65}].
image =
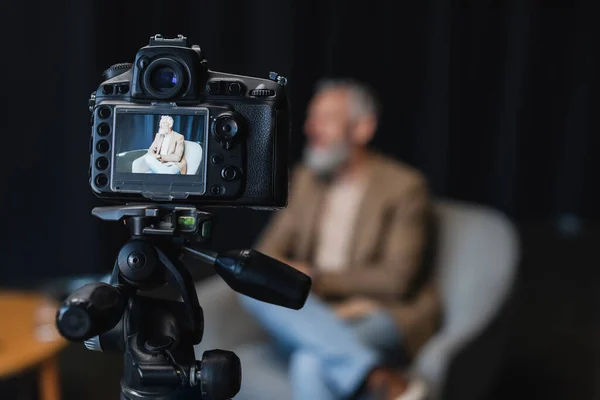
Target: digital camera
[{"x": 168, "y": 129}]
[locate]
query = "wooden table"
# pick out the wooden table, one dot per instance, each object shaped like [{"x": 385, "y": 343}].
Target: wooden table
[{"x": 29, "y": 339}]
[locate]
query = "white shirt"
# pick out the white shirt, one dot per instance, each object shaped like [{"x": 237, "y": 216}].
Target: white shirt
[
  {"x": 165, "y": 144},
  {"x": 337, "y": 224}
]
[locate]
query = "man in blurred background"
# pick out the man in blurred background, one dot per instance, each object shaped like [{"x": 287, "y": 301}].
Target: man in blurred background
[{"x": 357, "y": 224}]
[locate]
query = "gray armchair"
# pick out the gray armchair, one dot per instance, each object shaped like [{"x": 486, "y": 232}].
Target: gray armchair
[{"x": 476, "y": 260}]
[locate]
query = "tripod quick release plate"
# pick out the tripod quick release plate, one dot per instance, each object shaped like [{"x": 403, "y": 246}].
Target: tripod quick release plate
[{"x": 154, "y": 219}]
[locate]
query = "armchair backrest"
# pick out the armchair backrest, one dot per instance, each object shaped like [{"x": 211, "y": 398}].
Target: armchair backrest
[
  {"x": 193, "y": 156},
  {"x": 475, "y": 264}
]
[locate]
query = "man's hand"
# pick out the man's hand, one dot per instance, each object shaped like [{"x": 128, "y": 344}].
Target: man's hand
[
  {"x": 300, "y": 266},
  {"x": 304, "y": 268},
  {"x": 355, "y": 307}
]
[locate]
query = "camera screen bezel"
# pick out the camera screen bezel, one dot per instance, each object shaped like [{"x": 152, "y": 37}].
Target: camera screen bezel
[{"x": 159, "y": 185}]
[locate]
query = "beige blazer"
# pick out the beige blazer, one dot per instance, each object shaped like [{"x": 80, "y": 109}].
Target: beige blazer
[
  {"x": 174, "y": 152},
  {"x": 388, "y": 242}
]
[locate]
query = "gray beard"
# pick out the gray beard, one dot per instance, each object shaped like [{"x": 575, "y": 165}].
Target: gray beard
[{"x": 325, "y": 162}]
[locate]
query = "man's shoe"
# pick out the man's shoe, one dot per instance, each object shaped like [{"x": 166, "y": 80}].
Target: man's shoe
[{"x": 386, "y": 384}]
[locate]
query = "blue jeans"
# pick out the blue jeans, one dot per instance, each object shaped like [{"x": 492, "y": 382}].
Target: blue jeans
[
  {"x": 315, "y": 356},
  {"x": 159, "y": 168}
]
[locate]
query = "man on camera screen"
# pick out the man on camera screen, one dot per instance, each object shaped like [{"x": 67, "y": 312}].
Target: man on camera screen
[{"x": 165, "y": 155}]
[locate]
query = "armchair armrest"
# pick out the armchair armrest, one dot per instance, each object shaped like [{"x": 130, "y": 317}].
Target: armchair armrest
[{"x": 128, "y": 156}]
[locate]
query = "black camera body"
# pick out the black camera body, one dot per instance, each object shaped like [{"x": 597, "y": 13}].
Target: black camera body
[{"x": 167, "y": 129}]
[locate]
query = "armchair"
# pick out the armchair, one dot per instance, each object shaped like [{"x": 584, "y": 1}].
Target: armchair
[{"x": 135, "y": 158}]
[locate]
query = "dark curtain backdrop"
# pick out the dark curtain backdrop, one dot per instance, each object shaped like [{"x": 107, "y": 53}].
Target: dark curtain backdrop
[
  {"x": 137, "y": 131},
  {"x": 496, "y": 101}
]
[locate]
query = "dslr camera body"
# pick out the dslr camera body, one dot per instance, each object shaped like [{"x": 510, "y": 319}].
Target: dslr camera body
[{"x": 167, "y": 129}]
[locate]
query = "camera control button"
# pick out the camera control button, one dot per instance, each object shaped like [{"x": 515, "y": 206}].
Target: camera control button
[
  {"x": 103, "y": 129},
  {"x": 225, "y": 128},
  {"x": 108, "y": 89},
  {"x": 101, "y": 180},
  {"x": 102, "y": 163},
  {"x": 234, "y": 88},
  {"x": 143, "y": 62},
  {"x": 215, "y": 189},
  {"x": 206, "y": 229},
  {"x": 102, "y": 146},
  {"x": 213, "y": 87},
  {"x": 216, "y": 159},
  {"x": 262, "y": 92},
  {"x": 228, "y": 173},
  {"x": 104, "y": 112}
]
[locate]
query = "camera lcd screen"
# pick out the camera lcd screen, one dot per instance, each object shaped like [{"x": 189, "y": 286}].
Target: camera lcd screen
[{"x": 160, "y": 152}]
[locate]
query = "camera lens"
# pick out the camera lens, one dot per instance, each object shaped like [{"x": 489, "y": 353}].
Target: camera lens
[
  {"x": 101, "y": 180},
  {"x": 225, "y": 128},
  {"x": 102, "y": 146},
  {"x": 102, "y": 163},
  {"x": 104, "y": 112},
  {"x": 103, "y": 129},
  {"x": 163, "y": 78}
]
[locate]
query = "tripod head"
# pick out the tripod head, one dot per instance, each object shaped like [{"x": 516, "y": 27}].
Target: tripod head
[{"x": 157, "y": 335}]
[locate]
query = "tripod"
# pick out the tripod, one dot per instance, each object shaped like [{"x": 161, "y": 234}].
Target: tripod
[{"x": 156, "y": 335}]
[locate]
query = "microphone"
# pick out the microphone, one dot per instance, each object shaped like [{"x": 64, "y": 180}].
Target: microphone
[{"x": 259, "y": 276}]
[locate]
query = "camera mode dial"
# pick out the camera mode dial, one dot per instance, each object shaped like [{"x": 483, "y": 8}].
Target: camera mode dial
[{"x": 116, "y": 70}]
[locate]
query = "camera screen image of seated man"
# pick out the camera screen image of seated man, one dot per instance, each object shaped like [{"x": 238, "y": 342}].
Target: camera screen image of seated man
[
  {"x": 356, "y": 222},
  {"x": 165, "y": 155}
]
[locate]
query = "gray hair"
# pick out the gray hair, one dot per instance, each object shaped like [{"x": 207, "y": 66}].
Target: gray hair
[
  {"x": 169, "y": 120},
  {"x": 364, "y": 101}
]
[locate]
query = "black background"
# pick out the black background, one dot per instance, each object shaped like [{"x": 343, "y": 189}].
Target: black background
[
  {"x": 137, "y": 131},
  {"x": 496, "y": 101}
]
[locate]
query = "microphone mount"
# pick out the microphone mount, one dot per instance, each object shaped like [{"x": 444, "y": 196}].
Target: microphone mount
[{"x": 157, "y": 336}]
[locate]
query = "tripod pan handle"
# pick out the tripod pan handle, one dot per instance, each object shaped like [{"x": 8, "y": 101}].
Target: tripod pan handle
[
  {"x": 263, "y": 278},
  {"x": 89, "y": 311}
]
